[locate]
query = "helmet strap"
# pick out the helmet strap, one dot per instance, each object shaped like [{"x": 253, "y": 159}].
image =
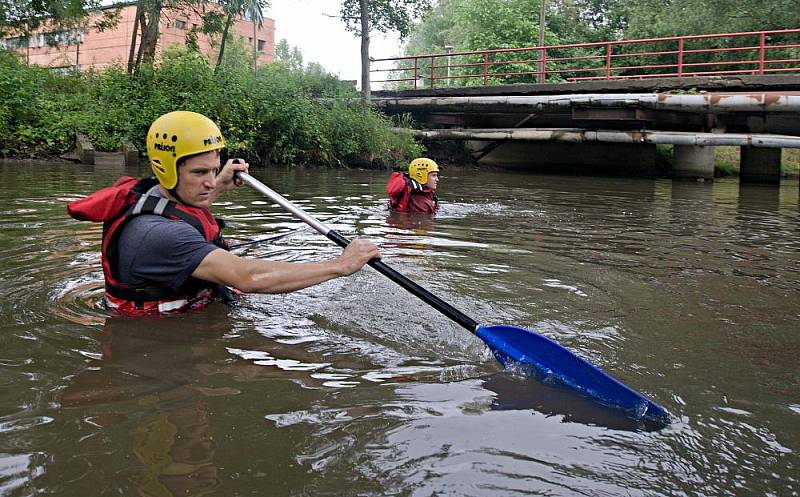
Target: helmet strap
[{"x": 174, "y": 192}]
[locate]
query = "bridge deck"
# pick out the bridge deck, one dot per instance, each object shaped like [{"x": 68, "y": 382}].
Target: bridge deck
[
  {"x": 744, "y": 105},
  {"x": 529, "y": 124}
]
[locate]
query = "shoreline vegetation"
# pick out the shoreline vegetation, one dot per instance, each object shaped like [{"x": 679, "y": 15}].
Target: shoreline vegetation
[{"x": 278, "y": 115}]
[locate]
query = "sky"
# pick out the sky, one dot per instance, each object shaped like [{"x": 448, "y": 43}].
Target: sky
[{"x": 323, "y": 39}]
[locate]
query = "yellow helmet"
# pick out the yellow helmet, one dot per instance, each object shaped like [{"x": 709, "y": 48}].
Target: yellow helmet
[
  {"x": 419, "y": 169},
  {"x": 179, "y": 134}
]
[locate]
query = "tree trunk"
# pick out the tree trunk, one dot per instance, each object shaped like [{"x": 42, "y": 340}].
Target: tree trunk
[
  {"x": 365, "y": 89},
  {"x": 541, "y": 41},
  {"x": 132, "y": 53},
  {"x": 150, "y": 35},
  {"x": 142, "y": 29},
  {"x": 255, "y": 48},
  {"x": 228, "y": 23}
]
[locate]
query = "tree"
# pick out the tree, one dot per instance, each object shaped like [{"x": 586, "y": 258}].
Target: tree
[
  {"x": 289, "y": 55},
  {"x": 361, "y": 16},
  {"x": 21, "y": 16},
  {"x": 254, "y": 9},
  {"x": 654, "y": 18},
  {"x": 148, "y": 16},
  {"x": 468, "y": 25}
]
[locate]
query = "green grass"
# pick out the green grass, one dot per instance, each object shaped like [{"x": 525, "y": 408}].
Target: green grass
[{"x": 727, "y": 160}]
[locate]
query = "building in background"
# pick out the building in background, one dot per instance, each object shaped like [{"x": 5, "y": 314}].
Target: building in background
[{"x": 74, "y": 50}]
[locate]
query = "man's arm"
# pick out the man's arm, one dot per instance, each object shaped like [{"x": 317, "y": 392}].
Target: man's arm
[{"x": 261, "y": 276}]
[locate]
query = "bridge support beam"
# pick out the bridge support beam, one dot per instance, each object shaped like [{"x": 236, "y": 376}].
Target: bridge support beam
[
  {"x": 693, "y": 161},
  {"x": 760, "y": 165},
  {"x": 578, "y": 158}
]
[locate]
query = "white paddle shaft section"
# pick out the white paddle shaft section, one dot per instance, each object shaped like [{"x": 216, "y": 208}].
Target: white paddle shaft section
[{"x": 278, "y": 199}]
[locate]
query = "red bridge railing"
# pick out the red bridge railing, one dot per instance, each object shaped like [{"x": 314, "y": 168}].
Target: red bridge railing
[{"x": 756, "y": 52}]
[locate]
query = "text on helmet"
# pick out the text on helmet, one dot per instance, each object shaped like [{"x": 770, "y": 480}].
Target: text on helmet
[
  {"x": 165, "y": 148},
  {"x": 212, "y": 140}
]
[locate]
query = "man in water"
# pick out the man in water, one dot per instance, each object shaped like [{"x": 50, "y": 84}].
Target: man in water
[
  {"x": 162, "y": 249},
  {"x": 415, "y": 191}
]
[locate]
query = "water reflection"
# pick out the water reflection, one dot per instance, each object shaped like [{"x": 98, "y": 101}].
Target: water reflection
[
  {"x": 759, "y": 198},
  {"x": 513, "y": 393},
  {"x": 411, "y": 221},
  {"x": 147, "y": 380}
]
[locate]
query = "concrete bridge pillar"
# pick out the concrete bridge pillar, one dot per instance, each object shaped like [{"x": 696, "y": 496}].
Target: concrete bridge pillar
[
  {"x": 760, "y": 165},
  {"x": 693, "y": 161}
]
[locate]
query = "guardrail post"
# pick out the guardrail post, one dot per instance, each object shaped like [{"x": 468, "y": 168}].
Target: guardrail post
[
  {"x": 761, "y": 53},
  {"x": 416, "y": 72},
  {"x": 608, "y": 60},
  {"x": 433, "y": 72},
  {"x": 680, "y": 56},
  {"x": 485, "y": 68}
]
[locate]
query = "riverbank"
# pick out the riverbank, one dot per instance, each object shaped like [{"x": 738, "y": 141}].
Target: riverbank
[{"x": 280, "y": 114}]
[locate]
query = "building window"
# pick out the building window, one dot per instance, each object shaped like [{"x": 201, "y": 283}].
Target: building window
[
  {"x": 15, "y": 43},
  {"x": 61, "y": 38},
  {"x": 180, "y": 24},
  {"x": 261, "y": 44}
]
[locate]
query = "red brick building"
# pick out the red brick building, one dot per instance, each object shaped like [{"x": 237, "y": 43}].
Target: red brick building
[{"x": 81, "y": 50}]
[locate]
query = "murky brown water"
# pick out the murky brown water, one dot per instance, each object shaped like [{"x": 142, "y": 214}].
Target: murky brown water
[{"x": 687, "y": 292}]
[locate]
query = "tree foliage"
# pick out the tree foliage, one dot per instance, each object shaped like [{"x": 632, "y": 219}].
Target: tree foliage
[
  {"x": 473, "y": 25},
  {"x": 21, "y": 16},
  {"x": 288, "y": 54},
  {"x": 279, "y": 114},
  {"x": 492, "y": 24},
  {"x": 362, "y": 16},
  {"x": 654, "y": 18},
  {"x": 385, "y": 15},
  {"x": 485, "y": 24}
]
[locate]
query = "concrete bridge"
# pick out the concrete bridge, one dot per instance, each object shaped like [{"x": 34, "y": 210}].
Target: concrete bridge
[
  {"x": 615, "y": 124},
  {"x": 692, "y": 98}
]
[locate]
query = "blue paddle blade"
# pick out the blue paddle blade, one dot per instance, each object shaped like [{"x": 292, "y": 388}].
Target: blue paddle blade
[{"x": 538, "y": 356}]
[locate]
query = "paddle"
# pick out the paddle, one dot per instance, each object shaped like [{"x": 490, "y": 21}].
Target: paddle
[{"x": 519, "y": 349}]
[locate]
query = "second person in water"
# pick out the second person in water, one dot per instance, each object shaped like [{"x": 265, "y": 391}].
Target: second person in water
[{"x": 415, "y": 191}]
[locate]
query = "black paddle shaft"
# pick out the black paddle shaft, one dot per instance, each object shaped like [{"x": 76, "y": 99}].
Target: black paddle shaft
[{"x": 440, "y": 305}]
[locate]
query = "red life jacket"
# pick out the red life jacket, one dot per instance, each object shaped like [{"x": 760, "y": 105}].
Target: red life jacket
[
  {"x": 404, "y": 198},
  {"x": 114, "y": 207}
]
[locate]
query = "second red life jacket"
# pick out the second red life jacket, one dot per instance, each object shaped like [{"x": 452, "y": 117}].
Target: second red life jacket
[{"x": 404, "y": 198}]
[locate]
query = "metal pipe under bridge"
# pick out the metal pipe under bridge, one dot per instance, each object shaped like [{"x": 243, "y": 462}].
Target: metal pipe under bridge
[{"x": 621, "y": 114}]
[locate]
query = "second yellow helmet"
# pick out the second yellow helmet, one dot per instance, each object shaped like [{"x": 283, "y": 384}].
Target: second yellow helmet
[
  {"x": 176, "y": 135},
  {"x": 419, "y": 168}
]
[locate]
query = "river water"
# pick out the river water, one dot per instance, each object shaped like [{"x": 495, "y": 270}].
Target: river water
[{"x": 687, "y": 292}]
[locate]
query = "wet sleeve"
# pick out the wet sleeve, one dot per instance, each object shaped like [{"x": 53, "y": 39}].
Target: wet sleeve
[
  {"x": 396, "y": 186},
  {"x": 158, "y": 250}
]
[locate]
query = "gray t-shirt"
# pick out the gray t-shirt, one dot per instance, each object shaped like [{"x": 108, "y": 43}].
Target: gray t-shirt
[{"x": 154, "y": 249}]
